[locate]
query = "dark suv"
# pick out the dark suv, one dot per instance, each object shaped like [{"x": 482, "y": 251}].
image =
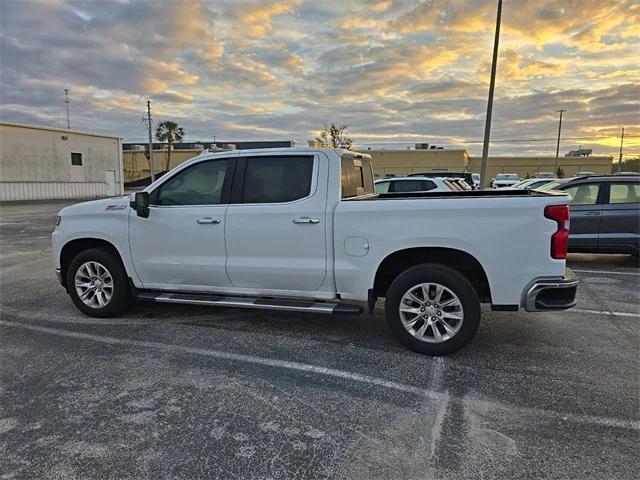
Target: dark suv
[{"x": 605, "y": 213}]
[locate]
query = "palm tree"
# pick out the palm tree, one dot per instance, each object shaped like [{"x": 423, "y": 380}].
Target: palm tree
[{"x": 171, "y": 133}]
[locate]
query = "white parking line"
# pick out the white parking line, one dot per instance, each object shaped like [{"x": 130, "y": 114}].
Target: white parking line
[
  {"x": 607, "y": 272},
  {"x": 605, "y": 312},
  {"x": 308, "y": 368},
  {"x": 237, "y": 357}
]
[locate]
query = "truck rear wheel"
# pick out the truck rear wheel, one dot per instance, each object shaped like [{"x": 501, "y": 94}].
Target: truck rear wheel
[
  {"x": 432, "y": 309},
  {"x": 97, "y": 283}
]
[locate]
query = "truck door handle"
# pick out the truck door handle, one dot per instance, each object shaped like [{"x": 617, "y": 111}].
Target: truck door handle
[
  {"x": 208, "y": 220},
  {"x": 310, "y": 220},
  {"x": 592, "y": 212}
]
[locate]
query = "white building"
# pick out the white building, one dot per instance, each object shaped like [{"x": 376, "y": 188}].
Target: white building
[{"x": 39, "y": 163}]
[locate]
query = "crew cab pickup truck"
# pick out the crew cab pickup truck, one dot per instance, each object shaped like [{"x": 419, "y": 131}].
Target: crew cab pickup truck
[{"x": 301, "y": 229}]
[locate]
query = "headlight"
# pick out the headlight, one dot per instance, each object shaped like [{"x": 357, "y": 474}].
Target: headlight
[{"x": 58, "y": 220}]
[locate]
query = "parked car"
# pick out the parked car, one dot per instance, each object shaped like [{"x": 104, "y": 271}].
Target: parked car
[
  {"x": 476, "y": 180},
  {"x": 556, "y": 184},
  {"x": 585, "y": 174},
  {"x": 605, "y": 213},
  {"x": 545, "y": 175},
  {"x": 457, "y": 184},
  {"x": 413, "y": 184},
  {"x": 466, "y": 176},
  {"x": 504, "y": 180},
  {"x": 301, "y": 229},
  {"x": 531, "y": 183}
]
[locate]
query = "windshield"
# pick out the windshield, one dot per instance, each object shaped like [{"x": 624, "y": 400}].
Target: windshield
[
  {"x": 507, "y": 176},
  {"x": 522, "y": 183}
]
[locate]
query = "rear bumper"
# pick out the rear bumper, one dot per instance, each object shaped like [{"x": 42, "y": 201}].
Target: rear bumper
[{"x": 552, "y": 294}]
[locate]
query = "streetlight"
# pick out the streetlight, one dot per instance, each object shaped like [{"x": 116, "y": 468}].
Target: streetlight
[
  {"x": 562, "y": 110},
  {"x": 492, "y": 84}
]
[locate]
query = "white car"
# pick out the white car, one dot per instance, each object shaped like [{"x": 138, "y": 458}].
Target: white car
[
  {"x": 531, "y": 183},
  {"x": 476, "y": 180},
  {"x": 545, "y": 175},
  {"x": 302, "y": 229},
  {"x": 505, "y": 180},
  {"x": 411, "y": 184}
]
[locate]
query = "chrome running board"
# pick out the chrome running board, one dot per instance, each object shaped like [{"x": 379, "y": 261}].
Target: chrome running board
[{"x": 310, "y": 306}]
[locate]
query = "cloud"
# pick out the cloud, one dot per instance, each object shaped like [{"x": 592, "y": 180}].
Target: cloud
[
  {"x": 516, "y": 66},
  {"x": 256, "y": 19},
  {"x": 399, "y": 70}
]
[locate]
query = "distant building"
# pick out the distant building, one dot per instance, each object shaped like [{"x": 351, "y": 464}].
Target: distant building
[
  {"x": 398, "y": 163},
  {"x": 136, "y": 163},
  {"x": 207, "y": 145},
  {"x": 388, "y": 163},
  {"x": 41, "y": 163},
  {"x": 529, "y": 166}
]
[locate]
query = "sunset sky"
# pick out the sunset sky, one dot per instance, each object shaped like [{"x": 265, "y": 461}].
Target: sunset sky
[{"x": 394, "y": 71}]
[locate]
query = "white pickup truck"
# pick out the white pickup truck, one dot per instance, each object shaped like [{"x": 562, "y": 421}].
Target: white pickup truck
[{"x": 301, "y": 229}]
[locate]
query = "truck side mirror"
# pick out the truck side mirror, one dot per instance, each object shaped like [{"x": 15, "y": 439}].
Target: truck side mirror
[{"x": 140, "y": 204}]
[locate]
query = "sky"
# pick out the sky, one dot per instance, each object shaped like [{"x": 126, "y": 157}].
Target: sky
[{"x": 396, "y": 72}]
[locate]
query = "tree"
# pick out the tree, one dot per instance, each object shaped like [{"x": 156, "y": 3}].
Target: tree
[
  {"x": 170, "y": 133},
  {"x": 631, "y": 164},
  {"x": 560, "y": 172},
  {"x": 335, "y": 136}
]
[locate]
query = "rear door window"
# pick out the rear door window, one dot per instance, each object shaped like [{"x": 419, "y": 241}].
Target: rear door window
[
  {"x": 406, "y": 186},
  {"x": 624, "y": 193},
  {"x": 277, "y": 179},
  {"x": 586, "y": 194}
]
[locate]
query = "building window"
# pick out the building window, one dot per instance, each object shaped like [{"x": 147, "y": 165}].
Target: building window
[{"x": 76, "y": 159}]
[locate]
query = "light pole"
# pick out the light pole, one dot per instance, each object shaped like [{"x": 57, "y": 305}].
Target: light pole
[
  {"x": 149, "y": 124},
  {"x": 562, "y": 110},
  {"x": 66, "y": 101},
  {"x": 492, "y": 84},
  {"x": 620, "y": 157}
]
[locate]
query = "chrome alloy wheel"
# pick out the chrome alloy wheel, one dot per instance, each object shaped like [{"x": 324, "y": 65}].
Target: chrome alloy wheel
[
  {"x": 431, "y": 312},
  {"x": 94, "y": 284}
]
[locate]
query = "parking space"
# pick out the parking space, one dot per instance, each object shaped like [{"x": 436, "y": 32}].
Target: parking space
[{"x": 170, "y": 391}]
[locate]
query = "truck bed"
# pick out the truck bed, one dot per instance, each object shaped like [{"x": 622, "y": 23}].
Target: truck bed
[{"x": 465, "y": 194}]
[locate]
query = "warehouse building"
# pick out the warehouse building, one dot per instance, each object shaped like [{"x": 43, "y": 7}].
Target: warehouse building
[
  {"x": 397, "y": 163},
  {"x": 527, "y": 167},
  {"x": 136, "y": 161},
  {"x": 42, "y": 163}
]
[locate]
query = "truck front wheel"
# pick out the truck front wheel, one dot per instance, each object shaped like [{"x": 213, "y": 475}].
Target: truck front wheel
[
  {"x": 97, "y": 283},
  {"x": 432, "y": 309}
]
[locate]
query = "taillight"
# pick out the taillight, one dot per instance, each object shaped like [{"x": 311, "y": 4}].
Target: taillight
[{"x": 560, "y": 239}]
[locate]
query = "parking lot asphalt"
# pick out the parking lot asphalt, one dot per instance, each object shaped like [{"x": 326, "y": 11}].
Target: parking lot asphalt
[{"x": 169, "y": 391}]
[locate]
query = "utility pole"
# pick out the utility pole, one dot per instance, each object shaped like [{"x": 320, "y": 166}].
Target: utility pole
[
  {"x": 562, "y": 110},
  {"x": 150, "y": 125},
  {"x": 620, "y": 157},
  {"x": 66, "y": 101},
  {"x": 492, "y": 84}
]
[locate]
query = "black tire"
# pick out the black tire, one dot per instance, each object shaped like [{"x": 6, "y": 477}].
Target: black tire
[
  {"x": 121, "y": 297},
  {"x": 448, "y": 278}
]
